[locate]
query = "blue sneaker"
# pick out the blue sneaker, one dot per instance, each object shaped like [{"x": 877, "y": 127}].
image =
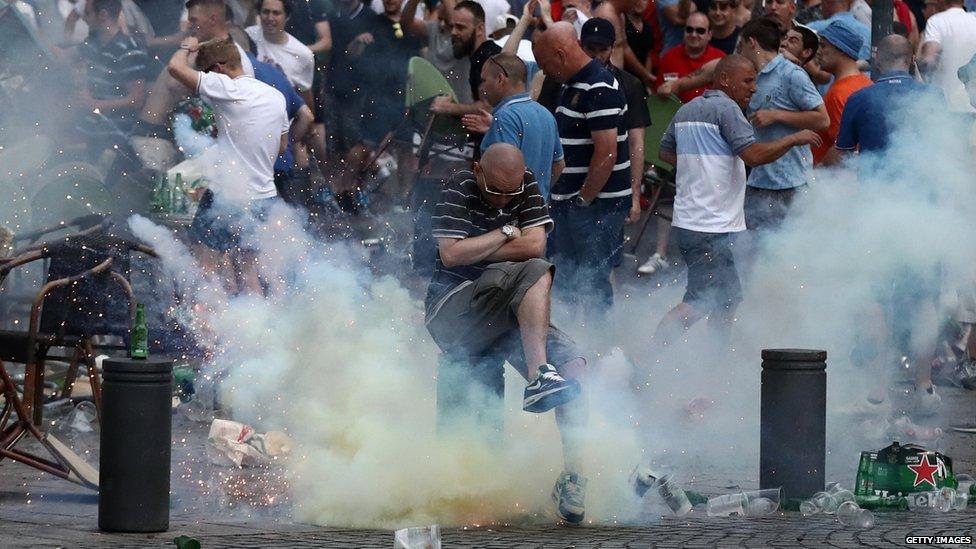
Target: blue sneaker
[
  {"x": 568, "y": 494},
  {"x": 549, "y": 390}
]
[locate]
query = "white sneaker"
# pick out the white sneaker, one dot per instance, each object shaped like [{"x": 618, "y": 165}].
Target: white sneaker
[{"x": 654, "y": 264}]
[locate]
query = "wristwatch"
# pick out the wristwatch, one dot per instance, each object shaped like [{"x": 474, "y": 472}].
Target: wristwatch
[
  {"x": 581, "y": 202},
  {"x": 508, "y": 231}
]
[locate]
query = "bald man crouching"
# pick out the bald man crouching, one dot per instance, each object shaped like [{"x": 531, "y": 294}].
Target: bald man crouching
[{"x": 489, "y": 297}]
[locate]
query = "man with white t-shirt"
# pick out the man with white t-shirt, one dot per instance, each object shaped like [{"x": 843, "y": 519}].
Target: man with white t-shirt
[
  {"x": 948, "y": 44},
  {"x": 710, "y": 141},
  {"x": 277, "y": 47},
  {"x": 252, "y": 131}
]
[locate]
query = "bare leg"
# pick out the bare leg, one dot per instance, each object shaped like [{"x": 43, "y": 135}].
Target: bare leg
[
  {"x": 678, "y": 319},
  {"x": 533, "y": 320},
  {"x": 571, "y": 419},
  {"x": 720, "y": 326}
]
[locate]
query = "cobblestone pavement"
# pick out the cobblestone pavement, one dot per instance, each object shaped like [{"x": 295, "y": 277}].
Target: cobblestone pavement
[{"x": 37, "y": 510}]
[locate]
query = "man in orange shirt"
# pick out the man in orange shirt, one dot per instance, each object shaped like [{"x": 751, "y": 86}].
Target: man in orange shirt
[{"x": 839, "y": 46}]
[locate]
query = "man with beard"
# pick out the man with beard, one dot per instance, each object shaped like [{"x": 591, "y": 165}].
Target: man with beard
[{"x": 469, "y": 40}]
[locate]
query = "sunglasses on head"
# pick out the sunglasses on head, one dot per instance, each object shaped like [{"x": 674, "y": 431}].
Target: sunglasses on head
[
  {"x": 497, "y": 192},
  {"x": 696, "y": 30},
  {"x": 721, "y": 6},
  {"x": 499, "y": 65}
]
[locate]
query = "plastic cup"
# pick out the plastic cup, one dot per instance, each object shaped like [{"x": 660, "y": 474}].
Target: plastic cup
[
  {"x": 672, "y": 494},
  {"x": 725, "y": 505},
  {"x": 944, "y": 500},
  {"x": 823, "y": 502},
  {"x": 837, "y": 499},
  {"x": 849, "y": 514},
  {"x": 808, "y": 508},
  {"x": 760, "y": 503},
  {"x": 422, "y": 537},
  {"x": 962, "y": 500}
]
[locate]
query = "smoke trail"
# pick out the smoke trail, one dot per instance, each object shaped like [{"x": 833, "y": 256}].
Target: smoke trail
[{"x": 342, "y": 361}]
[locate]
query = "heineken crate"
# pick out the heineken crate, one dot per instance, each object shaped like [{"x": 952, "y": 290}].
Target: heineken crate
[{"x": 894, "y": 477}]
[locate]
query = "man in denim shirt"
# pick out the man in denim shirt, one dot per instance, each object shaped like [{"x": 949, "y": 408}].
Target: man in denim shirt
[{"x": 785, "y": 101}]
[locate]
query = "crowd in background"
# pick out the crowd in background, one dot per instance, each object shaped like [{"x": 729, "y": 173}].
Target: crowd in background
[{"x": 575, "y": 105}]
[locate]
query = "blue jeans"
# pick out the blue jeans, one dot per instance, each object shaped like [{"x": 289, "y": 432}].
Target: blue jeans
[{"x": 584, "y": 245}]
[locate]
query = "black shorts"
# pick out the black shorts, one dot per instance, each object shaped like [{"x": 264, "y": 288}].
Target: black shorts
[
  {"x": 221, "y": 227},
  {"x": 713, "y": 281}
]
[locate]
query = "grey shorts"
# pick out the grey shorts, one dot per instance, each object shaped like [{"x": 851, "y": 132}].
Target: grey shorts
[
  {"x": 479, "y": 317},
  {"x": 713, "y": 281}
]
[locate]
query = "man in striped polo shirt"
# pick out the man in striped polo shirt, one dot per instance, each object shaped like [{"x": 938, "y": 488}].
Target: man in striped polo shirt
[
  {"x": 710, "y": 141},
  {"x": 592, "y": 197},
  {"x": 489, "y": 297}
]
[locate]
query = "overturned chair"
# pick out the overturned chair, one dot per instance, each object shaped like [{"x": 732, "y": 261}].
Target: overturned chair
[{"x": 68, "y": 311}]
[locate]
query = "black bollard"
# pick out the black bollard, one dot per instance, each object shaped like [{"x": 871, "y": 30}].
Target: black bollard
[
  {"x": 134, "y": 461},
  {"x": 793, "y": 418}
]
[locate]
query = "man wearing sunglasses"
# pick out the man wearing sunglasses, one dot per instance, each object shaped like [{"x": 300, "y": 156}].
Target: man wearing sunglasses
[
  {"x": 490, "y": 297},
  {"x": 692, "y": 54}
]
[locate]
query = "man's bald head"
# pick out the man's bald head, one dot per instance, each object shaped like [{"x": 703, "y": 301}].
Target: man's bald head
[
  {"x": 503, "y": 166},
  {"x": 730, "y": 64},
  {"x": 894, "y": 53},
  {"x": 558, "y": 53},
  {"x": 736, "y": 76}
]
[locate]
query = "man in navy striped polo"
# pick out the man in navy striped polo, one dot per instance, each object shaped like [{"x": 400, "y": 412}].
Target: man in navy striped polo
[{"x": 590, "y": 200}]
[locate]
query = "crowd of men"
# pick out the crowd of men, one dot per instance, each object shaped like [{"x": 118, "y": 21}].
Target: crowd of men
[{"x": 554, "y": 97}]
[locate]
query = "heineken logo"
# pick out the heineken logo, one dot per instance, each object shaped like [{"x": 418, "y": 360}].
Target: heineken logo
[{"x": 925, "y": 471}]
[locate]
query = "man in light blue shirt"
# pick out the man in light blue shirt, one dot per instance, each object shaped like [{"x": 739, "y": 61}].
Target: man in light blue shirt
[
  {"x": 785, "y": 101},
  {"x": 840, "y": 10},
  {"x": 517, "y": 119}
]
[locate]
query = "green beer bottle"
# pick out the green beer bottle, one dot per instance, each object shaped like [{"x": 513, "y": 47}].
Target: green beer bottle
[
  {"x": 166, "y": 196},
  {"x": 139, "y": 343}
]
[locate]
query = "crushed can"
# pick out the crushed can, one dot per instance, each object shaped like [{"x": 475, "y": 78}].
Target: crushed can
[{"x": 895, "y": 476}]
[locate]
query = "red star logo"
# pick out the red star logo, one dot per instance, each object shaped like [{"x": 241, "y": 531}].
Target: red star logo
[{"x": 924, "y": 471}]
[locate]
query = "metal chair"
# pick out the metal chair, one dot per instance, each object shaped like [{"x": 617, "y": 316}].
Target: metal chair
[
  {"x": 16, "y": 419},
  {"x": 70, "y": 309}
]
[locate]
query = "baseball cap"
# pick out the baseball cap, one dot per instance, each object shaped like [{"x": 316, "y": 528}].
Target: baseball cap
[
  {"x": 502, "y": 20},
  {"x": 844, "y": 37},
  {"x": 598, "y": 30}
]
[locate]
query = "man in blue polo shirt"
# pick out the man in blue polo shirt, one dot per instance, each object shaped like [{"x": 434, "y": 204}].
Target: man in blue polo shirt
[
  {"x": 785, "y": 101},
  {"x": 871, "y": 118},
  {"x": 867, "y": 123},
  {"x": 590, "y": 201},
  {"x": 517, "y": 120}
]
